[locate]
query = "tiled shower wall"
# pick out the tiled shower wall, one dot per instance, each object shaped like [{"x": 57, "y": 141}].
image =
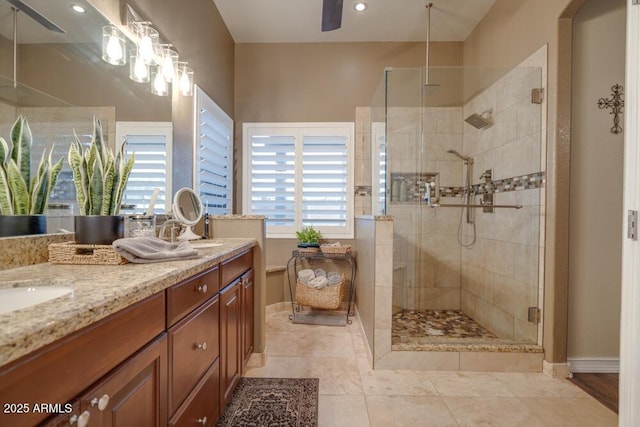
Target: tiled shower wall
[
  {"x": 498, "y": 279},
  {"x": 500, "y": 274}
]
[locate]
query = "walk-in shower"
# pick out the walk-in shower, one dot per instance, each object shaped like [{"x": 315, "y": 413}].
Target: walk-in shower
[{"x": 466, "y": 238}]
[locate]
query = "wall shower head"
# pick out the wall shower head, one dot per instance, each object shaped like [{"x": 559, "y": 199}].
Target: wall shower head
[
  {"x": 480, "y": 121},
  {"x": 460, "y": 156}
]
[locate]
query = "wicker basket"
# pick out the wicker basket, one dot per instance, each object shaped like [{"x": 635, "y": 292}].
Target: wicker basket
[
  {"x": 335, "y": 249},
  {"x": 75, "y": 253},
  {"x": 329, "y": 297}
]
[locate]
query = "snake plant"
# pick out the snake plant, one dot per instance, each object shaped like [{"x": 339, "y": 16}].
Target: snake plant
[
  {"x": 19, "y": 193},
  {"x": 98, "y": 175}
]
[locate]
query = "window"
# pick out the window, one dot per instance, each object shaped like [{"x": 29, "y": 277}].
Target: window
[
  {"x": 213, "y": 159},
  {"x": 151, "y": 142},
  {"x": 300, "y": 174}
]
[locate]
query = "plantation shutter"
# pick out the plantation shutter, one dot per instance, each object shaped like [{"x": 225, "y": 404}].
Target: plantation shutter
[
  {"x": 300, "y": 174},
  {"x": 214, "y": 156},
  {"x": 273, "y": 172},
  {"x": 324, "y": 181},
  {"x": 151, "y": 143}
]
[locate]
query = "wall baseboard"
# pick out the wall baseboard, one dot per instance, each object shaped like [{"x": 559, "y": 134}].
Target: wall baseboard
[{"x": 601, "y": 365}]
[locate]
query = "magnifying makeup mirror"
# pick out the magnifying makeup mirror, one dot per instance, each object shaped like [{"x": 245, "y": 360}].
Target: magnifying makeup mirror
[{"x": 187, "y": 209}]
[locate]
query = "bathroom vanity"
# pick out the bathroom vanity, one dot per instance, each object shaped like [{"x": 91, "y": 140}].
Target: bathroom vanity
[{"x": 136, "y": 344}]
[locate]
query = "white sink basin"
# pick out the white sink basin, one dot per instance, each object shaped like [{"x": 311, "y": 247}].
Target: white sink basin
[
  {"x": 16, "y": 298},
  {"x": 199, "y": 244}
]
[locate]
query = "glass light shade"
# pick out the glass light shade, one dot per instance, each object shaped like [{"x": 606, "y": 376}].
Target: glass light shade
[
  {"x": 138, "y": 70},
  {"x": 169, "y": 63},
  {"x": 186, "y": 81},
  {"x": 148, "y": 41},
  {"x": 159, "y": 85},
  {"x": 113, "y": 46}
]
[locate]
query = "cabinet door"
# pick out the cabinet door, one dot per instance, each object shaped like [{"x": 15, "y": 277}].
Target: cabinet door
[
  {"x": 247, "y": 316},
  {"x": 230, "y": 346},
  {"x": 134, "y": 394},
  {"x": 193, "y": 346}
]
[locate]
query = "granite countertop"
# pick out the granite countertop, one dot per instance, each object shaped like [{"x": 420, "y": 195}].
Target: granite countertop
[{"x": 98, "y": 291}]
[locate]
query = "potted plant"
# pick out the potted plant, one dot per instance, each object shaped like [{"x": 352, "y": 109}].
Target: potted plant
[
  {"x": 100, "y": 179},
  {"x": 23, "y": 199},
  {"x": 308, "y": 239}
]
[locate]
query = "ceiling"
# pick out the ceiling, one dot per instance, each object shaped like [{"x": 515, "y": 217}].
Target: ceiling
[
  {"x": 78, "y": 28},
  {"x": 298, "y": 21}
]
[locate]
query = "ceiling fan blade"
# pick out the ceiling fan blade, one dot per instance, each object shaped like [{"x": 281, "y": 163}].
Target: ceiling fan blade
[
  {"x": 331, "y": 14},
  {"x": 36, "y": 16}
]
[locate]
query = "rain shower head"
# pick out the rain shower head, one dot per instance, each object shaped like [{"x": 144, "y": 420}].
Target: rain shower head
[{"x": 480, "y": 121}]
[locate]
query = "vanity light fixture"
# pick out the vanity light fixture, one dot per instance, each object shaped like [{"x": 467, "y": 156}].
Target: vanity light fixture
[
  {"x": 138, "y": 70},
  {"x": 168, "y": 61},
  {"x": 148, "y": 41},
  {"x": 360, "y": 6},
  {"x": 186, "y": 79},
  {"x": 159, "y": 85},
  {"x": 113, "y": 46}
]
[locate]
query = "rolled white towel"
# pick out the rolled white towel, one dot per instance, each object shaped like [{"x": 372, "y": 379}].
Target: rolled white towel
[
  {"x": 304, "y": 276},
  {"x": 319, "y": 272},
  {"x": 318, "y": 282},
  {"x": 334, "y": 278}
]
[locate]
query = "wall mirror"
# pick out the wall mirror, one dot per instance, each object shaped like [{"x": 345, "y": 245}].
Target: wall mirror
[{"x": 59, "y": 81}]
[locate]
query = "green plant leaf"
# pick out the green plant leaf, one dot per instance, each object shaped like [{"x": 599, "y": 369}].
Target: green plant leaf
[
  {"x": 53, "y": 176},
  {"x": 76, "y": 161},
  {"x": 4, "y": 151},
  {"x": 96, "y": 187},
  {"x": 39, "y": 189},
  {"x": 6, "y": 202},
  {"x": 21, "y": 151},
  {"x": 18, "y": 188},
  {"x": 109, "y": 173},
  {"x": 119, "y": 186}
]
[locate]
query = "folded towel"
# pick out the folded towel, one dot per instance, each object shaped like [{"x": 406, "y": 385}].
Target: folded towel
[
  {"x": 320, "y": 272},
  {"x": 148, "y": 249},
  {"x": 305, "y": 275},
  {"x": 318, "y": 282},
  {"x": 334, "y": 278}
]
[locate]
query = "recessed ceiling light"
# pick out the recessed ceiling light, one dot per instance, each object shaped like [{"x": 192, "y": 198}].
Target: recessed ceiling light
[
  {"x": 78, "y": 9},
  {"x": 360, "y": 6}
]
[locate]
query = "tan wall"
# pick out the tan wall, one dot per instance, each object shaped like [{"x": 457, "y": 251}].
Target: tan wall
[
  {"x": 202, "y": 39},
  {"x": 596, "y": 183},
  {"x": 318, "y": 81},
  {"x": 510, "y": 32}
]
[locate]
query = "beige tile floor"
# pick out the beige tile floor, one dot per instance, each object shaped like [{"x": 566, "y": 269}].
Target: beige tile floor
[{"x": 354, "y": 395}]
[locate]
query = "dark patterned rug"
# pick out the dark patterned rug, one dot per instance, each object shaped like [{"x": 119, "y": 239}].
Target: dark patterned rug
[{"x": 282, "y": 402}]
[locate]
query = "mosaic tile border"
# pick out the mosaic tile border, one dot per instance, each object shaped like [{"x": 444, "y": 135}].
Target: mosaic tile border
[{"x": 416, "y": 184}]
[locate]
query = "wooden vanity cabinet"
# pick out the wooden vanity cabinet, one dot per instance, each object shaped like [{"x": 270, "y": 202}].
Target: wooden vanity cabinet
[
  {"x": 60, "y": 371},
  {"x": 230, "y": 351},
  {"x": 246, "y": 315},
  {"x": 236, "y": 321},
  {"x": 134, "y": 394}
]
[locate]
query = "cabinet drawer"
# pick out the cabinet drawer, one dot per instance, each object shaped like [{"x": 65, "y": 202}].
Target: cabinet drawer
[
  {"x": 193, "y": 346},
  {"x": 202, "y": 405},
  {"x": 185, "y": 296},
  {"x": 60, "y": 371},
  {"x": 234, "y": 267}
]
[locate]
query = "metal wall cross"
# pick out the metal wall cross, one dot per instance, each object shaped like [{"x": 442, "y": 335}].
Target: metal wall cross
[{"x": 615, "y": 104}]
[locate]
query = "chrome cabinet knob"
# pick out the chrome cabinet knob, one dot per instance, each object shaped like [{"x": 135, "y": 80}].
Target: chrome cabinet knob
[
  {"x": 202, "y": 420},
  {"x": 100, "y": 403},
  {"x": 203, "y": 288},
  {"x": 201, "y": 346}
]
